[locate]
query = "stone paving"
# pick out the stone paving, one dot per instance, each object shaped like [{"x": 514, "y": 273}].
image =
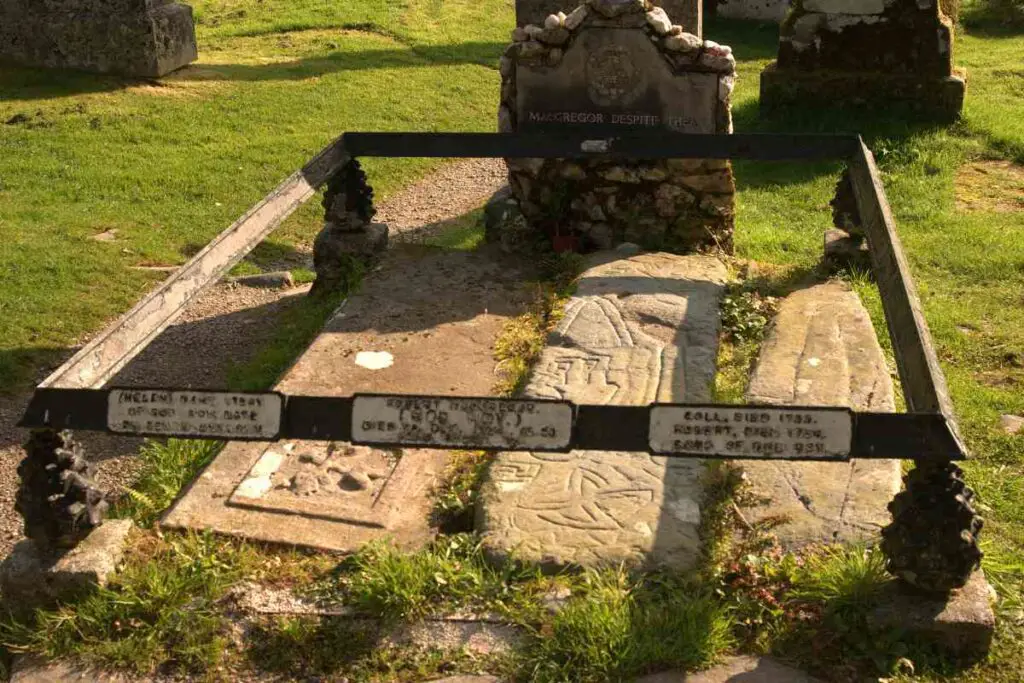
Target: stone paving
[
  {"x": 822, "y": 351},
  {"x": 639, "y": 330},
  {"x": 425, "y": 322}
]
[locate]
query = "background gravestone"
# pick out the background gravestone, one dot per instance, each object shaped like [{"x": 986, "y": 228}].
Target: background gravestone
[
  {"x": 686, "y": 13},
  {"x": 145, "y": 38},
  {"x": 853, "y": 51},
  {"x": 614, "y": 66}
]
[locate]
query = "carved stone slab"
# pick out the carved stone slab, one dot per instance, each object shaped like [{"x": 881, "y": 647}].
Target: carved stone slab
[
  {"x": 435, "y": 315},
  {"x": 822, "y": 350},
  {"x": 638, "y": 330},
  {"x": 612, "y": 80}
]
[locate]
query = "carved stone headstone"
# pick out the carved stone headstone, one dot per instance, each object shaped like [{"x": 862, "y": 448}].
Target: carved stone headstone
[
  {"x": 686, "y": 13},
  {"x": 638, "y": 330},
  {"x": 856, "y": 51},
  {"x": 145, "y": 38},
  {"x": 614, "y": 66}
]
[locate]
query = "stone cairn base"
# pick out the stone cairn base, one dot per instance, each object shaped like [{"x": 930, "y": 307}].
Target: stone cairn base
[
  {"x": 858, "y": 51},
  {"x": 144, "y": 38},
  {"x": 348, "y": 235},
  {"x": 677, "y": 205}
]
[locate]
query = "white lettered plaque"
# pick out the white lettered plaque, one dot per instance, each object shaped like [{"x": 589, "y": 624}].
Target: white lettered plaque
[
  {"x": 752, "y": 432},
  {"x": 462, "y": 422},
  {"x": 165, "y": 412}
]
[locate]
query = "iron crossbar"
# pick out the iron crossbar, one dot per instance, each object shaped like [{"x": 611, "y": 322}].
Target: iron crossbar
[{"x": 594, "y": 427}]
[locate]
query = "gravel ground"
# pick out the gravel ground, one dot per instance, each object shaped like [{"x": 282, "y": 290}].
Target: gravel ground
[{"x": 229, "y": 324}]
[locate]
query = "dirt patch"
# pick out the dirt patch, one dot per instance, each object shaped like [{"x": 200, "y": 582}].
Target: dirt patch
[{"x": 990, "y": 185}]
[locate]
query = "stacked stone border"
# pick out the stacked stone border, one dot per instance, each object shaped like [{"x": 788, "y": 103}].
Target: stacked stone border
[{"x": 680, "y": 205}]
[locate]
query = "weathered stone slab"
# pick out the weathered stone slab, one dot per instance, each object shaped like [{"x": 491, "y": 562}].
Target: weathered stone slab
[
  {"x": 146, "y": 38},
  {"x": 435, "y": 315},
  {"x": 612, "y": 80},
  {"x": 963, "y": 623},
  {"x": 638, "y": 330},
  {"x": 735, "y": 669},
  {"x": 822, "y": 351},
  {"x": 31, "y": 579}
]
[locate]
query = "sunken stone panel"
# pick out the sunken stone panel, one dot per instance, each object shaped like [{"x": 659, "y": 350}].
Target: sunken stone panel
[
  {"x": 822, "y": 351},
  {"x": 638, "y": 330}
]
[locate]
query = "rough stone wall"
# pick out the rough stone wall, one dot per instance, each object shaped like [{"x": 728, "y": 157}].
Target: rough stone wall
[
  {"x": 146, "y": 38},
  {"x": 678, "y": 205},
  {"x": 686, "y": 13}
]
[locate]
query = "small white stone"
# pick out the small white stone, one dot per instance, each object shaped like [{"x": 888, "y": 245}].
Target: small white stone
[
  {"x": 683, "y": 42},
  {"x": 659, "y": 21},
  {"x": 814, "y": 362},
  {"x": 374, "y": 360},
  {"x": 726, "y": 63},
  {"x": 552, "y": 21},
  {"x": 1011, "y": 424},
  {"x": 576, "y": 17}
]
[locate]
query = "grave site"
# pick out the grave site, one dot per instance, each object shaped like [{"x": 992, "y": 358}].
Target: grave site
[{"x": 589, "y": 341}]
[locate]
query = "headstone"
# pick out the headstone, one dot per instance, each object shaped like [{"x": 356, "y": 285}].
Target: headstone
[
  {"x": 143, "y": 38},
  {"x": 860, "y": 51},
  {"x": 433, "y": 316},
  {"x": 822, "y": 351},
  {"x": 686, "y": 13},
  {"x": 638, "y": 330},
  {"x": 610, "y": 67}
]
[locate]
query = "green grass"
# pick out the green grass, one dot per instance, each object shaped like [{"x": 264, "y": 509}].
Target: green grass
[
  {"x": 619, "y": 626},
  {"x": 167, "y": 467},
  {"x": 170, "y": 165},
  {"x": 163, "y": 606}
]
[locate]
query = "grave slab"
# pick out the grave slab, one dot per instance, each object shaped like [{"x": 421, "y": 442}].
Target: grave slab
[
  {"x": 638, "y": 330},
  {"x": 434, "y": 315},
  {"x": 822, "y": 351}
]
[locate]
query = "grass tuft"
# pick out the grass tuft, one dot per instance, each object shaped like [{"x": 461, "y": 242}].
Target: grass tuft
[
  {"x": 619, "y": 627},
  {"x": 160, "y": 609},
  {"x": 167, "y": 467}
]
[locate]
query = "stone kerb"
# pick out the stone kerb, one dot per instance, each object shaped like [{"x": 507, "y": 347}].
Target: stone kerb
[
  {"x": 857, "y": 50},
  {"x": 144, "y": 38},
  {"x": 608, "y": 67}
]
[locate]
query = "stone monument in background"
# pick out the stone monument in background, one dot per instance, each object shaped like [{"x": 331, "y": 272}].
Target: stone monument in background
[
  {"x": 143, "y": 38},
  {"x": 855, "y": 51},
  {"x": 687, "y": 13},
  {"x": 607, "y": 68}
]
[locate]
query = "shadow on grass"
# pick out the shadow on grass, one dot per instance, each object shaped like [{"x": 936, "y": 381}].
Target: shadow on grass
[
  {"x": 39, "y": 84},
  {"x": 748, "y": 39}
]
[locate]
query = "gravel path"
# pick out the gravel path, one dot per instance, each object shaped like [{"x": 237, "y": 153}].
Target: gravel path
[{"x": 229, "y": 324}]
